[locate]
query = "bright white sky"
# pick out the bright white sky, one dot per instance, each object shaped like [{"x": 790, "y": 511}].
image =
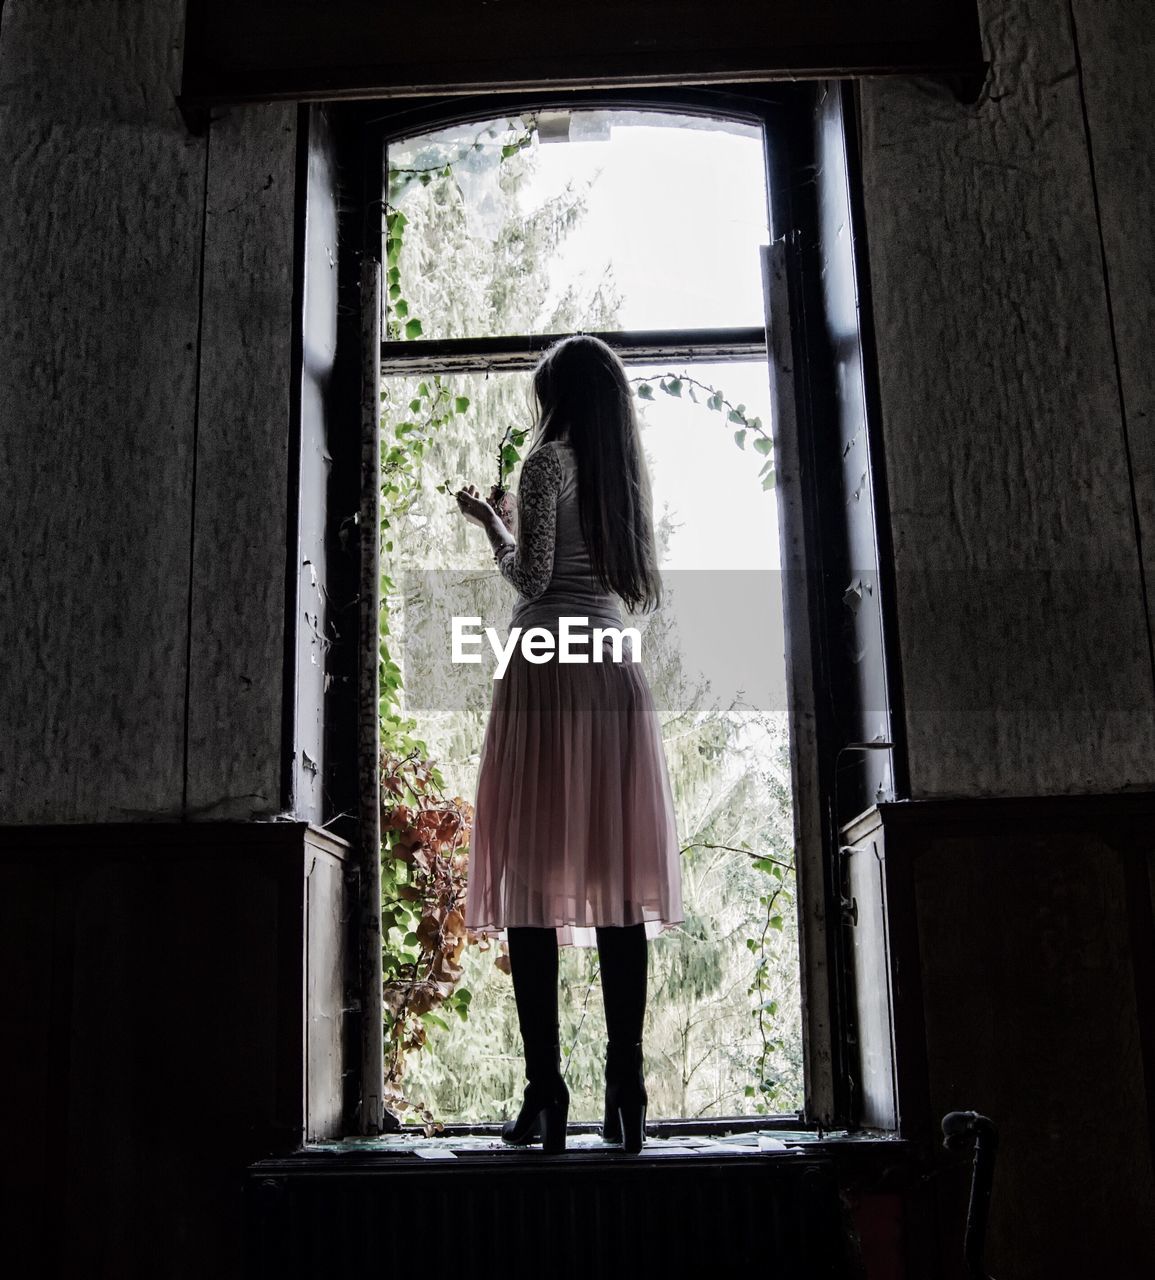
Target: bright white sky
[{"x": 680, "y": 214}]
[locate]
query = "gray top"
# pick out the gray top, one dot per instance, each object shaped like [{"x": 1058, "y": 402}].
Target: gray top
[{"x": 550, "y": 563}]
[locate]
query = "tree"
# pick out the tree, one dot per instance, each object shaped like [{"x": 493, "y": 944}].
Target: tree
[{"x": 467, "y": 258}]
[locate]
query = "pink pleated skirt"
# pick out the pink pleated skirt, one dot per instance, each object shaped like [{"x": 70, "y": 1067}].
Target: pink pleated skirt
[{"x": 573, "y": 823}]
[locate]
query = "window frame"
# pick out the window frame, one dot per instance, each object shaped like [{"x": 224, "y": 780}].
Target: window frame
[{"x": 793, "y": 117}]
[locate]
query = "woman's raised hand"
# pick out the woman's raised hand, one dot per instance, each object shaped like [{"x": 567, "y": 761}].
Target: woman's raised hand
[
  {"x": 502, "y": 501},
  {"x": 475, "y": 508}
]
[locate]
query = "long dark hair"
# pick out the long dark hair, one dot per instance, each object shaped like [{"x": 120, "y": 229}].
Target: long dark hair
[{"x": 582, "y": 391}]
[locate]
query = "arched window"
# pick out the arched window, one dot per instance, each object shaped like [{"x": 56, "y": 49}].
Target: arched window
[{"x": 709, "y": 237}]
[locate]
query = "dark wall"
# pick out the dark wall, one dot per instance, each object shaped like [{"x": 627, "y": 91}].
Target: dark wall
[
  {"x": 145, "y": 314},
  {"x": 146, "y": 302}
]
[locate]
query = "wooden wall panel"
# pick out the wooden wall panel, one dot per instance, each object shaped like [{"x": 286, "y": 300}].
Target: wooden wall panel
[
  {"x": 236, "y": 684},
  {"x": 1018, "y": 959},
  {"x": 35, "y": 984},
  {"x": 159, "y": 979},
  {"x": 1116, "y": 47},
  {"x": 1032, "y": 1019},
  {"x": 328, "y": 968},
  {"x": 869, "y": 961},
  {"x": 318, "y": 357},
  {"x": 857, "y": 636},
  {"x": 1020, "y": 618},
  {"x": 101, "y": 196}
]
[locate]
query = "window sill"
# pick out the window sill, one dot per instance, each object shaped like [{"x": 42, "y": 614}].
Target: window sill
[{"x": 684, "y": 1141}]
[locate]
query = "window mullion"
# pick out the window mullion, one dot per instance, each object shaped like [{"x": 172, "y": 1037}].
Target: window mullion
[{"x": 484, "y": 355}]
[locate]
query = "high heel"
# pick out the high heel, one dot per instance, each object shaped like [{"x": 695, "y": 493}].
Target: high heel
[
  {"x": 553, "y": 1119},
  {"x": 632, "y": 1121},
  {"x": 543, "y": 1117},
  {"x": 626, "y": 1100},
  {"x": 545, "y": 1105}
]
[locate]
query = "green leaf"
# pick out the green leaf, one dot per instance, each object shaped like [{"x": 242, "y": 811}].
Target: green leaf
[
  {"x": 432, "y": 1020},
  {"x": 401, "y": 308},
  {"x": 423, "y": 390},
  {"x": 461, "y": 404},
  {"x": 775, "y": 922},
  {"x": 394, "y": 292},
  {"x": 414, "y": 407},
  {"x": 715, "y": 402},
  {"x": 509, "y": 455},
  {"x": 763, "y": 444},
  {"x": 735, "y": 416},
  {"x": 770, "y": 481},
  {"x": 740, "y": 438},
  {"x": 673, "y": 387},
  {"x": 645, "y": 391},
  {"x": 413, "y": 329},
  {"x": 749, "y": 1091}
]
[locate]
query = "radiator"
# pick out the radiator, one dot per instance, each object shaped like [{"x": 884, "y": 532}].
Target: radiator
[{"x": 361, "y": 1217}]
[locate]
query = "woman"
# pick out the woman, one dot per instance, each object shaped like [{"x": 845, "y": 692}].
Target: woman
[{"x": 574, "y": 837}]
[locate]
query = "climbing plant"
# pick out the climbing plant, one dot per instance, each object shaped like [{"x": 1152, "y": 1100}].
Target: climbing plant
[
  {"x": 425, "y": 834},
  {"x": 672, "y": 384},
  {"x": 426, "y": 829}
]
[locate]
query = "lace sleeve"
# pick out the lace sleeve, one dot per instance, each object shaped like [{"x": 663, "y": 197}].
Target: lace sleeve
[{"x": 528, "y": 563}]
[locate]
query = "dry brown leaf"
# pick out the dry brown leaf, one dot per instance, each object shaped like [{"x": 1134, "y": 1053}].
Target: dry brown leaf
[{"x": 395, "y": 817}]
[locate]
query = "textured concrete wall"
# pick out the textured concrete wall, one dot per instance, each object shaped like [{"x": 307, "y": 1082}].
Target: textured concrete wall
[
  {"x": 144, "y": 414},
  {"x": 1022, "y": 617},
  {"x": 241, "y": 511},
  {"x": 145, "y": 299}
]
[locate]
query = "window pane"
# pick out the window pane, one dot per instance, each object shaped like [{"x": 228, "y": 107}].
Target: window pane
[
  {"x": 584, "y": 220},
  {"x": 724, "y": 1021}
]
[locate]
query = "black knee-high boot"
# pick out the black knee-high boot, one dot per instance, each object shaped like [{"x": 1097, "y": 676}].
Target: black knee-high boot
[
  {"x": 623, "y": 953},
  {"x": 533, "y": 964}
]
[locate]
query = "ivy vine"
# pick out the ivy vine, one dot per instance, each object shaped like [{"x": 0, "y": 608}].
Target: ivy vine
[
  {"x": 673, "y": 384},
  {"x": 425, "y": 834}
]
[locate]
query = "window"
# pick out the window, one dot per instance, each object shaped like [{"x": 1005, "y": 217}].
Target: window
[{"x": 805, "y": 296}]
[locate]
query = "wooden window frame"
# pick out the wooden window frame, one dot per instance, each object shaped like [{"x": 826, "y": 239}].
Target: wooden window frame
[{"x": 837, "y": 774}]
